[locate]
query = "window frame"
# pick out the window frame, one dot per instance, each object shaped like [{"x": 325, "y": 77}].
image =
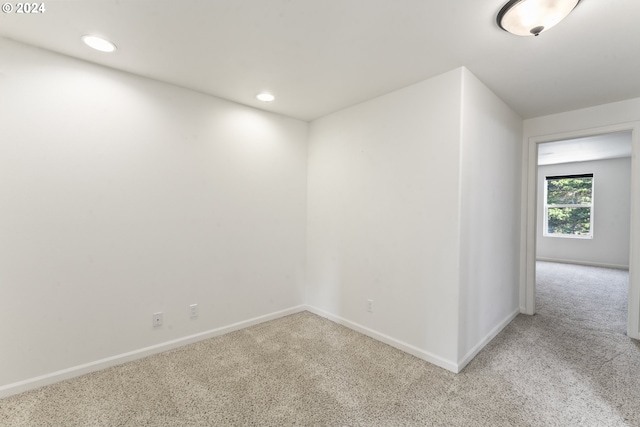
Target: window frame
[{"x": 545, "y": 226}]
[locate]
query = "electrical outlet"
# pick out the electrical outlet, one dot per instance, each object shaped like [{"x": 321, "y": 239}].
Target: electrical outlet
[
  {"x": 194, "y": 310},
  {"x": 157, "y": 319},
  {"x": 370, "y": 305}
]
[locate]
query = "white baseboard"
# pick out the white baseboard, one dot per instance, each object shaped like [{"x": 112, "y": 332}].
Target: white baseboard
[
  {"x": 407, "y": 348},
  {"x": 484, "y": 341},
  {"x": 588, "y": 263},
  {"x": 75, "y": 371}
]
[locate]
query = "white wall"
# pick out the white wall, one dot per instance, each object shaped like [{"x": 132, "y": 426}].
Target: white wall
[
  {"x": 611, "y": 208},
  {"x": 383, "y": 215},
  {"x": 585, "y": 118},
  {"x": 490, "y": 216},
  {"x": 414, "y": 203},
  {"x": 123, "y": 196}
]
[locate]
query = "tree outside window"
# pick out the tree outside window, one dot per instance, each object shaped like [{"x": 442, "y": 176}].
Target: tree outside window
[{"x": 569, "y": 206}]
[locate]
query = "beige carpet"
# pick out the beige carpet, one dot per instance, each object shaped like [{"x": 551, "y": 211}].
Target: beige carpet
[{"x": 569, "y": 365}]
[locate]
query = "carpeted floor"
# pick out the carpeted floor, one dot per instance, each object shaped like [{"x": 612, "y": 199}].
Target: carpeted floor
[{"x": 569, "y": 365}]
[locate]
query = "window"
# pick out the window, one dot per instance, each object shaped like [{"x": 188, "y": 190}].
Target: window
[{"x": 568, "y": 206}]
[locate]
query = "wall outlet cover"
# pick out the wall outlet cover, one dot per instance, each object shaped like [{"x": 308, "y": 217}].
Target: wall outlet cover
[
  {"x": 157, "y": 319},
  {"x": 193, "y": 308}
]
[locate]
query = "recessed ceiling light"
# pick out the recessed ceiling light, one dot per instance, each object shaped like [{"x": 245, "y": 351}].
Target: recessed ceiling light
[
  {"x": 98, "y": 43},
  {"x": 531, "y": 17},
  {"x": 266, "y": 97}
]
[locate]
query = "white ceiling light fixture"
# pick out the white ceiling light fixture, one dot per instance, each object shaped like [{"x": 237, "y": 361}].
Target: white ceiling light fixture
[
  {"x": 531, "y": 17},
  {"x": 265, "y": 97},
  {"x": 98, "y": 43}
]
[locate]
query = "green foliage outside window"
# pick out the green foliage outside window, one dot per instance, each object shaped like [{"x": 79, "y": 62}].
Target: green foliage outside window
[
  {"x": 575, "y": 221},
  {"x": 567, "y": 219}
]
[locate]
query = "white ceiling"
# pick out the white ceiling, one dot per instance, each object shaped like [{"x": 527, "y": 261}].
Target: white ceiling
[
  {"x": 600, "y": 147},
  {"x": 319, "y": 56}
]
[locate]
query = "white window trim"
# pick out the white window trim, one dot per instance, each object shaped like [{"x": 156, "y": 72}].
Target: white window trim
[{"x": 545, "y": 226}]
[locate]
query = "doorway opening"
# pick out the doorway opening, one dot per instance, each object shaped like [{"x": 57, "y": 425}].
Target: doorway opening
[
  {"x": 583, "y": 227},
  {"x": 534, "y": 221}
]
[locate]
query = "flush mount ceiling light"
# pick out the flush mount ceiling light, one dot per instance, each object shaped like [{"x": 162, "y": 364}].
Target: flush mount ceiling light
[
  {"x": 98, "y": 43},
  {"x": 265, "y": 97},
  {"x": 531, "y": 17}
]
